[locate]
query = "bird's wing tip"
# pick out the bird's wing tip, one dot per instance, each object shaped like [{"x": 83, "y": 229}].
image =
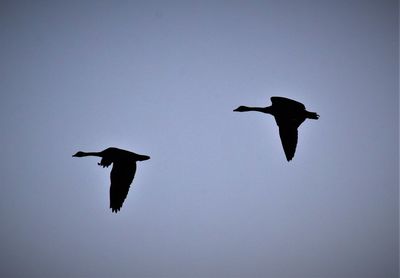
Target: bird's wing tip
[{"x": 115, "y": 210}]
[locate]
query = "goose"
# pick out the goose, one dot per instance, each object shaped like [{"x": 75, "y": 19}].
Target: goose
[
  {"x": 122, "y": 173},
  {"x": 289, "y": 115}
]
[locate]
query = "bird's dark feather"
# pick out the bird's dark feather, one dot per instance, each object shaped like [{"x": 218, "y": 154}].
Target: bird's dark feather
[
  {"x": 286, "y": 102},
  {"x": 288, "y": 136},
  {"x": 121, "y": 176}
]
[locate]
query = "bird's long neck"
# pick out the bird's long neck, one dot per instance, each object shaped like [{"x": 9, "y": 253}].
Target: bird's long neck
[
  {"x": 92, "y": 154},
  {"x": 258, "y": 109}
]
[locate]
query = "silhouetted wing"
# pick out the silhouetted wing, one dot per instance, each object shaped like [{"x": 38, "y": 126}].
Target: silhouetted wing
[
  {"x": 122, "y": 175},
  {"x": 287, "y": 102},
  {"x": 288, "y": 136}
]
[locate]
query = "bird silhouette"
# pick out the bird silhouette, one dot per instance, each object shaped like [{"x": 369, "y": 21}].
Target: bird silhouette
[
  {"x": 122, "y": 173},
  {"x": 289, "y": 115}
]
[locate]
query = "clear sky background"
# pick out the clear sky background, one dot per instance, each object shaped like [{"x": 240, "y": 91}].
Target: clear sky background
[{"x": 217, "y": 198}]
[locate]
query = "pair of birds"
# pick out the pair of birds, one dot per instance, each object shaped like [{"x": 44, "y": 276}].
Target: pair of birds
[{"x": 289, "y": 115}]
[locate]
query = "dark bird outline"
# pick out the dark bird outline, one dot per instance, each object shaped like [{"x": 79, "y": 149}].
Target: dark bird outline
[
  {"x": 122, "y": 172},
  {"x": 289, "y": 115}
]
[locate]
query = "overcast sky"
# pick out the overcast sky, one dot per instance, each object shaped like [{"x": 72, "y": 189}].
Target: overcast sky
[{"x": 217, "y": 198}]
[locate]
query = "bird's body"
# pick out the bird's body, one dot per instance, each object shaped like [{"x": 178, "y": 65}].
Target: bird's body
[
  {"x": 122, "y": 173},
  {"x": 289, "y": 115}
]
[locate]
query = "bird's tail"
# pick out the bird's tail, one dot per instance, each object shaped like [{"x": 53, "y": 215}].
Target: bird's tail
[
  {"x": 140, "y": 157},
  {"x": 312, "y": 115}
]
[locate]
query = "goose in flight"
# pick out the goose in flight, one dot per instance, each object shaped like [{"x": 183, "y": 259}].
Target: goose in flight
[
  {"x": 289, "y": 115},
  {"x": 122, "y": 173}
]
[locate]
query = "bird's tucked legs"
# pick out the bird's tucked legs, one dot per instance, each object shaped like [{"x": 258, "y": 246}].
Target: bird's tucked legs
[{"x": 104, "y": 162}]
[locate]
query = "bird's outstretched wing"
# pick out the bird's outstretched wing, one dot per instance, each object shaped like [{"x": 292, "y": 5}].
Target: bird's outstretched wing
[
  {"x": 287, "y": 102},
  {"x": 121, "y": 176},
  {"x": 288, "y": 134}
]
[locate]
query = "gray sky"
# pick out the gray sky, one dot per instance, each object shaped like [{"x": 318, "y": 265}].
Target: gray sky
[{"x": 217, "y": 198}]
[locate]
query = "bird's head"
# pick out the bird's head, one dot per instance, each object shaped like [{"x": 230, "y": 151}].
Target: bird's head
[
  {"x": 241, "y": 109},
  {"x": 79, "y": 154}
]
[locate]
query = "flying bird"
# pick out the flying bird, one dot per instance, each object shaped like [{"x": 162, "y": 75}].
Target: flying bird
[
  {"x": 289, "y": 115},
  {"x": 122, "y": 173}
]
